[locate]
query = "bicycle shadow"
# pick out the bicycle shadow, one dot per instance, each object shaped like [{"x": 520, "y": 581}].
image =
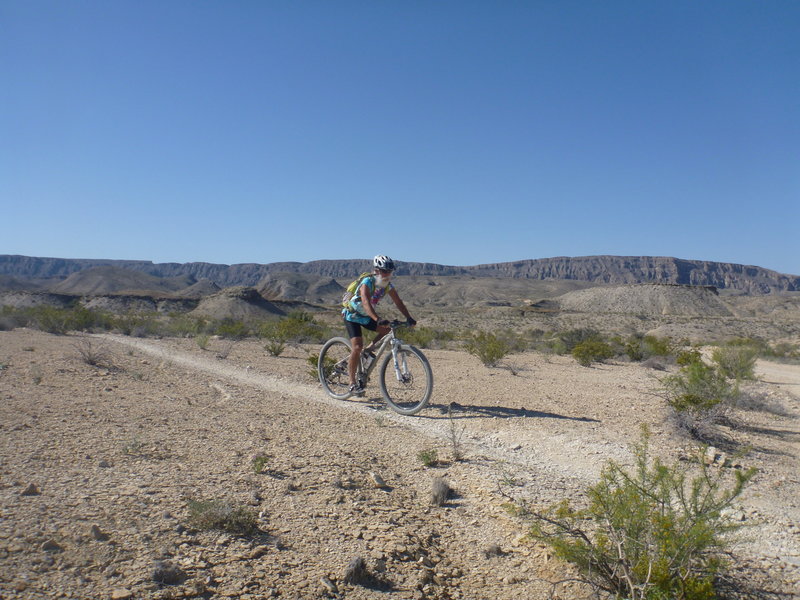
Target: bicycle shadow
[{"x": 461, "y": 411}]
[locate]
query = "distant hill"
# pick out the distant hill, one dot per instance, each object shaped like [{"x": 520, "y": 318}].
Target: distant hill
[
  {"x": 102, "y": 280},
  {"x": 296, "y": 286},
  {"x": 651, "y": 300},
  {"x": 237, "y": 303},
  {"x": 597, "y": 270}
]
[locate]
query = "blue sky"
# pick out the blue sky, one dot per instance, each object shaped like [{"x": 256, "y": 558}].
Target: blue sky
[{"x": 448, "y": 132}]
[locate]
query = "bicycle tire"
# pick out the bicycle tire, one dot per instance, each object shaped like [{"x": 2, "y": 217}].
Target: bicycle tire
[
  {"x": 332, "y": 367},
  {"x": 410, "y": 396}
]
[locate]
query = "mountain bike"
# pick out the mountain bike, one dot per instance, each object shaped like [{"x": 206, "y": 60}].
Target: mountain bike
[{"x": 404, "y": 374}]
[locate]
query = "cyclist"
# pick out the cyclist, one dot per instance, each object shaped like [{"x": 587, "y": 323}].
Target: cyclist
[{"x": 360, "y": 312}]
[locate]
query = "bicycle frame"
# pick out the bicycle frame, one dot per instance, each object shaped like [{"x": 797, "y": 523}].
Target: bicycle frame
[{"x": 396, "y": 343}]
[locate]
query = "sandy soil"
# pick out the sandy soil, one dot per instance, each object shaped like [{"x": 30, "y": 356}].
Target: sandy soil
[{"x": 98, "y": 464}]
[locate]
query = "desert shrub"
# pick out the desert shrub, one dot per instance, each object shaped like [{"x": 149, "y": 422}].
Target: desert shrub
[
  {"x": 538, "y": 340},
  {"x": 641, "y": 347},
  {"x": 202, "y": 340},
  {"x": 488, "y": 347},
  {"x": 138, "y": 324},
  {"x": 427, "y": 337},
  {"x": 301, "y": 316},
  {"x": 657, "y": 346},
  {"x": 572, "y": 337},
  {"x": 759, "y": 345},
  {"x": 591, "y": 351},
  {"x": 313, "y": 361},
  {"x": 736, "y": 362},
  {"x": 275, "y": 347},
  {"x": 699, "y": 396},
  {"x": 650, "y": 533},
  {"x": 297, "y": 327},
  {"x": 186, "y": 326},
  {"x": 783, "y": 351},
  {"x": 697, "y": 387},
  {"x": 222, "y": 515},
  {"x": 50, "y": 319},
  {"x": 259, "y": 462},
  {"x": 230, "y": 329},
  {"x": 456, "y": 433},
  {"x": 93, "y": 354},
  {"x": 428, "y": 457},
  {"x": 688, "y": 356}
]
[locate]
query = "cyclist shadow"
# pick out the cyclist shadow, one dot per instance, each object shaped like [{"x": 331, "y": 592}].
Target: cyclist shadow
[{"x": 461, "y": 411}]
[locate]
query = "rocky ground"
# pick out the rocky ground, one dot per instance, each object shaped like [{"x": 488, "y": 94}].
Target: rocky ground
[{"x": 99, "y": 465}]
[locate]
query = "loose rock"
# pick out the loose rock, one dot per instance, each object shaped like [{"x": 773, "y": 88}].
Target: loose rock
[{"x": 31, "y": 490}]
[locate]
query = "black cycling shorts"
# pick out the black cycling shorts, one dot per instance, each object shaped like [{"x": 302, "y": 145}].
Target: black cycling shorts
[{"x": 354, "y": 329}]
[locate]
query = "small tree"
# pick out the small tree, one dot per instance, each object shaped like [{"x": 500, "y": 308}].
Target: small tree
[{"x": 651, "y": 533}]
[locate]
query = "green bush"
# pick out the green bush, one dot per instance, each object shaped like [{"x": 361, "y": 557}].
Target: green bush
[
  {"x": 51, "y": 319},
  {"x": 647, "y": 534},
  {"x": 429, "y": 458},
  {"x": 783, "y": 350},
  {"x": 697, "y": 388},
  {"x": 591, "y": 351},
  {"x": 688, "y": 357},
  {"x": 427, "y": 337},
  {"x": 700, "y": 396},
  {"x": 736, "y": 362},
  {"x": 230, "y": 329},
  {"x": 186, "y": 326},
  {"x": 488, "y": 347},
  {"x": 641, "y": 347},
  {"x": 275, "y": 347},
  {"x": 297, "y": 327},
  {"x": 312, "y": 360},
  {"x": 572, "y": 337},
  {"x": 138, "y": 324}
]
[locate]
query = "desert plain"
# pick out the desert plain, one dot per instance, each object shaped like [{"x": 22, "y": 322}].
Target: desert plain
[{"x": 101, "y": 463}]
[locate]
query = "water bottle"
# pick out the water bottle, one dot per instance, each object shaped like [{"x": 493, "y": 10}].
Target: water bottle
[{"x": 366, "y": 359}]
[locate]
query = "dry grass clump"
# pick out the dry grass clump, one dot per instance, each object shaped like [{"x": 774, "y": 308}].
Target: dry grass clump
[
  {"x": 94, "y": 354},
  {"x": 222, "y": 515}
]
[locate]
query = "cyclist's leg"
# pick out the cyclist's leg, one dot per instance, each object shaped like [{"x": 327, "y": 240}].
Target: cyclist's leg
[
  {"x": 381, "y": 332},
  {"x": 356, "y": 346}
]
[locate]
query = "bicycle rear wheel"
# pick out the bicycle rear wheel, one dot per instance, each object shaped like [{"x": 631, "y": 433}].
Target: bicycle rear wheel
[
  {"x": 332, "y": 367},
  {"x": 406, "y": 390}
]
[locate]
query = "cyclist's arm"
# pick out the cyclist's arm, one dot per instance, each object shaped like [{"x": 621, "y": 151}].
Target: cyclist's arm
[{"x": 399, "y": 303}]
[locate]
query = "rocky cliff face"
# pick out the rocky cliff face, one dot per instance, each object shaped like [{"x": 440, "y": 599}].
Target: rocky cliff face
[{"x": 596, "y": 269}]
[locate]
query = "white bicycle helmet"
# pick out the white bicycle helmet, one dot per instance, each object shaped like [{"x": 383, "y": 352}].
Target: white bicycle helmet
[{"x": 383, "y": 262}]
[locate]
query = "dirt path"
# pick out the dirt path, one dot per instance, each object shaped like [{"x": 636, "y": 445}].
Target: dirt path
[{"x": 538, "y": 456}]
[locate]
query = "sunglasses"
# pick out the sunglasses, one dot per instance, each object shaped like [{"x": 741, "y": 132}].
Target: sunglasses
[{"x": 383, "y": 272}]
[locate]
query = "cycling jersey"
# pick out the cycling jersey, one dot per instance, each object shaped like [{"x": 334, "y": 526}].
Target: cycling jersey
[{"x": 354, "y": 311}]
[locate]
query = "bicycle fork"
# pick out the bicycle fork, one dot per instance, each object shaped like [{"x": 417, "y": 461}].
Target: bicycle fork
[{"x": 399, "y": 362}]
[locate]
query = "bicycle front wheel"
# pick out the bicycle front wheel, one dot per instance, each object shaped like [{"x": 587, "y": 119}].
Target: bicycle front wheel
[
  {"x": 332, "y": 367},
  {"x": 406, "y": 386}
]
